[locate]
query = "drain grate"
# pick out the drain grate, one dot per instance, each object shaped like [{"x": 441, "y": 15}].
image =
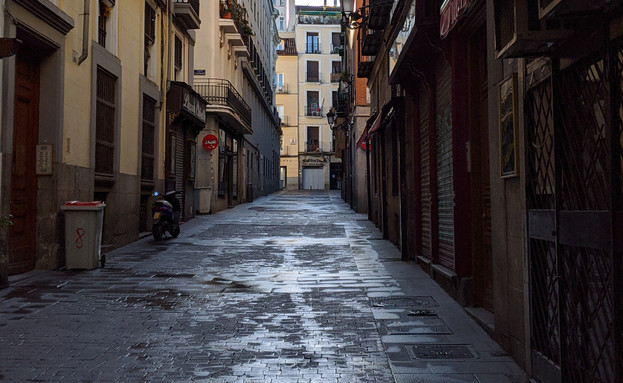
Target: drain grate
[
  {"x": 415, "y": 326},
  {"x": 441, "y": 351},
  {"x": 403, "y": 302}
]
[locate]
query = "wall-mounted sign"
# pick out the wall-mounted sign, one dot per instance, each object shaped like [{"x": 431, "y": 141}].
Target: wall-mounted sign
[
  {"x": 314, "y": 161},
  {"x": 210, "y": 142},
  {"x": 200, "y": 72},
  {"x": 44, "y": 159}
]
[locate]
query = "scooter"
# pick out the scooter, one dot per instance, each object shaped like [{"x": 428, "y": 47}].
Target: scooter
[{"x": 166, "y": 215}]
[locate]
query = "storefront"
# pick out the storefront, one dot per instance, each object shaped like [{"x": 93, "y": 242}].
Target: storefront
[{"x": 186, "y": 117}]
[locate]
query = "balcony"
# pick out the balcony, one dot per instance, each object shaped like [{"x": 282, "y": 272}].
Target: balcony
[
  {"x": 289, "y": 48},
  {"x": 225, "y": 101},
  {"x": 313, "y": 111},
  {"x": 379, "y": 11},
  {"x": 335, "y": 77},
  {"x": 371, "y": 43},
  {"x": 187, "y": 12},
  {"x": 336, "y": 49},
  {"x": 313, "y": 48},
  {"x": 312, "y": 148},
  {"x": 313, "y": 77},
  {"x": 282, "y": 89}
]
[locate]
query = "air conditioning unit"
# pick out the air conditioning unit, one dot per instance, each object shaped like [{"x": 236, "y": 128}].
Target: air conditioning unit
[
  {"x": 314, "y": 113},
  {"x": 566, "y": 8},
  {"x": 520, "y": 33}
]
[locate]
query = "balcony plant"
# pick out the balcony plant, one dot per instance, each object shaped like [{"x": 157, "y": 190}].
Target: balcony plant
[
  {"x": 225, "y": 9},
  {"x": 239, "y": 14}
]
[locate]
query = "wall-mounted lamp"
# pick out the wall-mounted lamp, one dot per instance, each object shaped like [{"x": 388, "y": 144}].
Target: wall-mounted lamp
[{"x": 354, "y": 18}]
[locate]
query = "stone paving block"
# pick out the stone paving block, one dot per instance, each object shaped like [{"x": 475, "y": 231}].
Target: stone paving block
[{"x": 251, "y": 294}]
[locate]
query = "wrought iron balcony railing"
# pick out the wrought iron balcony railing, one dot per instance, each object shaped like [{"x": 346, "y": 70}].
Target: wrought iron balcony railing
[{"x": 218, "y": 91}]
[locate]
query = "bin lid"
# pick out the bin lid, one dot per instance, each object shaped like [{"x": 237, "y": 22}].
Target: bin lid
[{"x": 83, "y": 205}]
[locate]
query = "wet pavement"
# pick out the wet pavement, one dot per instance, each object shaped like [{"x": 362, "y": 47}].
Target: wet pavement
[{"x": 294, "y": 287}]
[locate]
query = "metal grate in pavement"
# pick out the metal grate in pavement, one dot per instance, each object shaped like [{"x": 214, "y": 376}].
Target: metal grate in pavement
[
  {"x": 441, "y": 351},
  {"x": 403, "y": 302}
]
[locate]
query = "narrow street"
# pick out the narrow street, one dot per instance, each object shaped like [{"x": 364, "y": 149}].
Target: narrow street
[{"x": 294, "y": 287}]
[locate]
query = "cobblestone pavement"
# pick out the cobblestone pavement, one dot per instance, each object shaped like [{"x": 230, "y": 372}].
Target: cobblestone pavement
[{"x": 294, "y": 287}]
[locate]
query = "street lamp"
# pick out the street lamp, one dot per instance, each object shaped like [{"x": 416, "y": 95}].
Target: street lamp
[{"x": 331, "y": 117}]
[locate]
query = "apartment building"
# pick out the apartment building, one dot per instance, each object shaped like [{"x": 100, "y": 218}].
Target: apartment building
[
  {"x": 238, "y": 155},
  {"x": 97, "y": 105},
  {"x": 308, "y": 149}
]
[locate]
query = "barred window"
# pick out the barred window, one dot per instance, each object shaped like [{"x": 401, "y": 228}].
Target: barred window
[
  {"x": 149, "y": 128},
  {"x": 105, "y": 123}
]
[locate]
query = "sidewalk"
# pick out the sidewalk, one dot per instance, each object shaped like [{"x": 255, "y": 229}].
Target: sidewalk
[{"x": 293, "y": 287}]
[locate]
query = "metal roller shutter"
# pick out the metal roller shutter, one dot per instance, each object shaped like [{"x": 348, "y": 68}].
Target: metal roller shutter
[
  {"x": 179, "y": 165},
  {"x": 425, "y": 174},
  {"x": 445, "y": 189}
]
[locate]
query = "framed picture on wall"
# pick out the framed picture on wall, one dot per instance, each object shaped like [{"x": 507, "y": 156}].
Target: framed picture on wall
[{"x": 508, "y": 127}]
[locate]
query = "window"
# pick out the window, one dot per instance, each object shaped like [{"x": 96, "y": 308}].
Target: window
[
  {"x": 105, "y": 123},
  {"x": 314, "y": 108},
  {"x": 335, "y": 43},
  {"x": 178, "y": 55},
  {"x": 150, "y": 35},
  {"x": 313, "y": 43},
  {"x": 336, "y": 71},
  {"x": 334, "y": 99},
  {"x": 104, "y": 14},
  {"x": 279, "y": 83},
  {"x": 313, "y": 73},
  {"x": 313, "y": 139},
  {"x": 148, "y": 142},
  {"x": 281, "y": 23}
]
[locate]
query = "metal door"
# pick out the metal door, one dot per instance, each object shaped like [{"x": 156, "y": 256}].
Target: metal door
[
  {"x": 573, "y": 136},
  {"x": 313, "y": 178}
]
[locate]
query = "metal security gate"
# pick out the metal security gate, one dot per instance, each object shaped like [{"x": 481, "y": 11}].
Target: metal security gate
[
  {"x": 313, "y": 178},
  {"x": 573, "y": 155},
  {"x": 425, "y": 195},
  {"x": 445, "y": 183}
]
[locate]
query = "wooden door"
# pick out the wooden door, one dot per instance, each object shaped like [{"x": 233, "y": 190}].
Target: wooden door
[{"x": 22, "y": 234}]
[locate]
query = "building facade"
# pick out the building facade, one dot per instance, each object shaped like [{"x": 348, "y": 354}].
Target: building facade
[
  {"x": 495, "y": 163},
  {"x": 88, "y": 115},
  {"x": 308, "y": 146},
  {"x": 238, "y": 155}
]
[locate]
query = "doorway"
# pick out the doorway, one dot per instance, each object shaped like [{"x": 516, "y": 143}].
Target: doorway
[{"x": 22, "y": 235}]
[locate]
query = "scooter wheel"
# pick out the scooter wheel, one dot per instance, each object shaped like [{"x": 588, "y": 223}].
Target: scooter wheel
[
  {"x": 175, "y": 232},
  {"x": 159, "y": 229}
]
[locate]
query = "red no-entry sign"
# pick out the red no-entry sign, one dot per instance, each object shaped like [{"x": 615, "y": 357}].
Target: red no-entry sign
[{"x": 210, "y": 142}]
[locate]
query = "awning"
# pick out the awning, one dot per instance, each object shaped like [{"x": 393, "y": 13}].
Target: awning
[
  {"x": 364, "y": 140},
  {"x": 451, "y": 10}
]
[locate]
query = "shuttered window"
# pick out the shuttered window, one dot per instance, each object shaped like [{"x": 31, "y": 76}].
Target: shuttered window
[
  {"x": 149, "y": 126},
  {"x": 105, "y": 123}
]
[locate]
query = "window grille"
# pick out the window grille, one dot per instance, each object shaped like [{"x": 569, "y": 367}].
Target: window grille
[
  {"x": 105, "y": 123},
  {"x": 149, "y": 127}
]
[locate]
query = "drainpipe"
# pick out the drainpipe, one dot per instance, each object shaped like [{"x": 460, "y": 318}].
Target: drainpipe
[
  {"x": 170, "y": 44},
  {"x": 85, "y": 32}
]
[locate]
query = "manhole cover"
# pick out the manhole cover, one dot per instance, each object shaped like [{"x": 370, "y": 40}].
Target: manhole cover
[
  {"x": 443, "y": 351},
  {"x": 415, "y": 326},
  {"x": 403, "y": 302}
]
